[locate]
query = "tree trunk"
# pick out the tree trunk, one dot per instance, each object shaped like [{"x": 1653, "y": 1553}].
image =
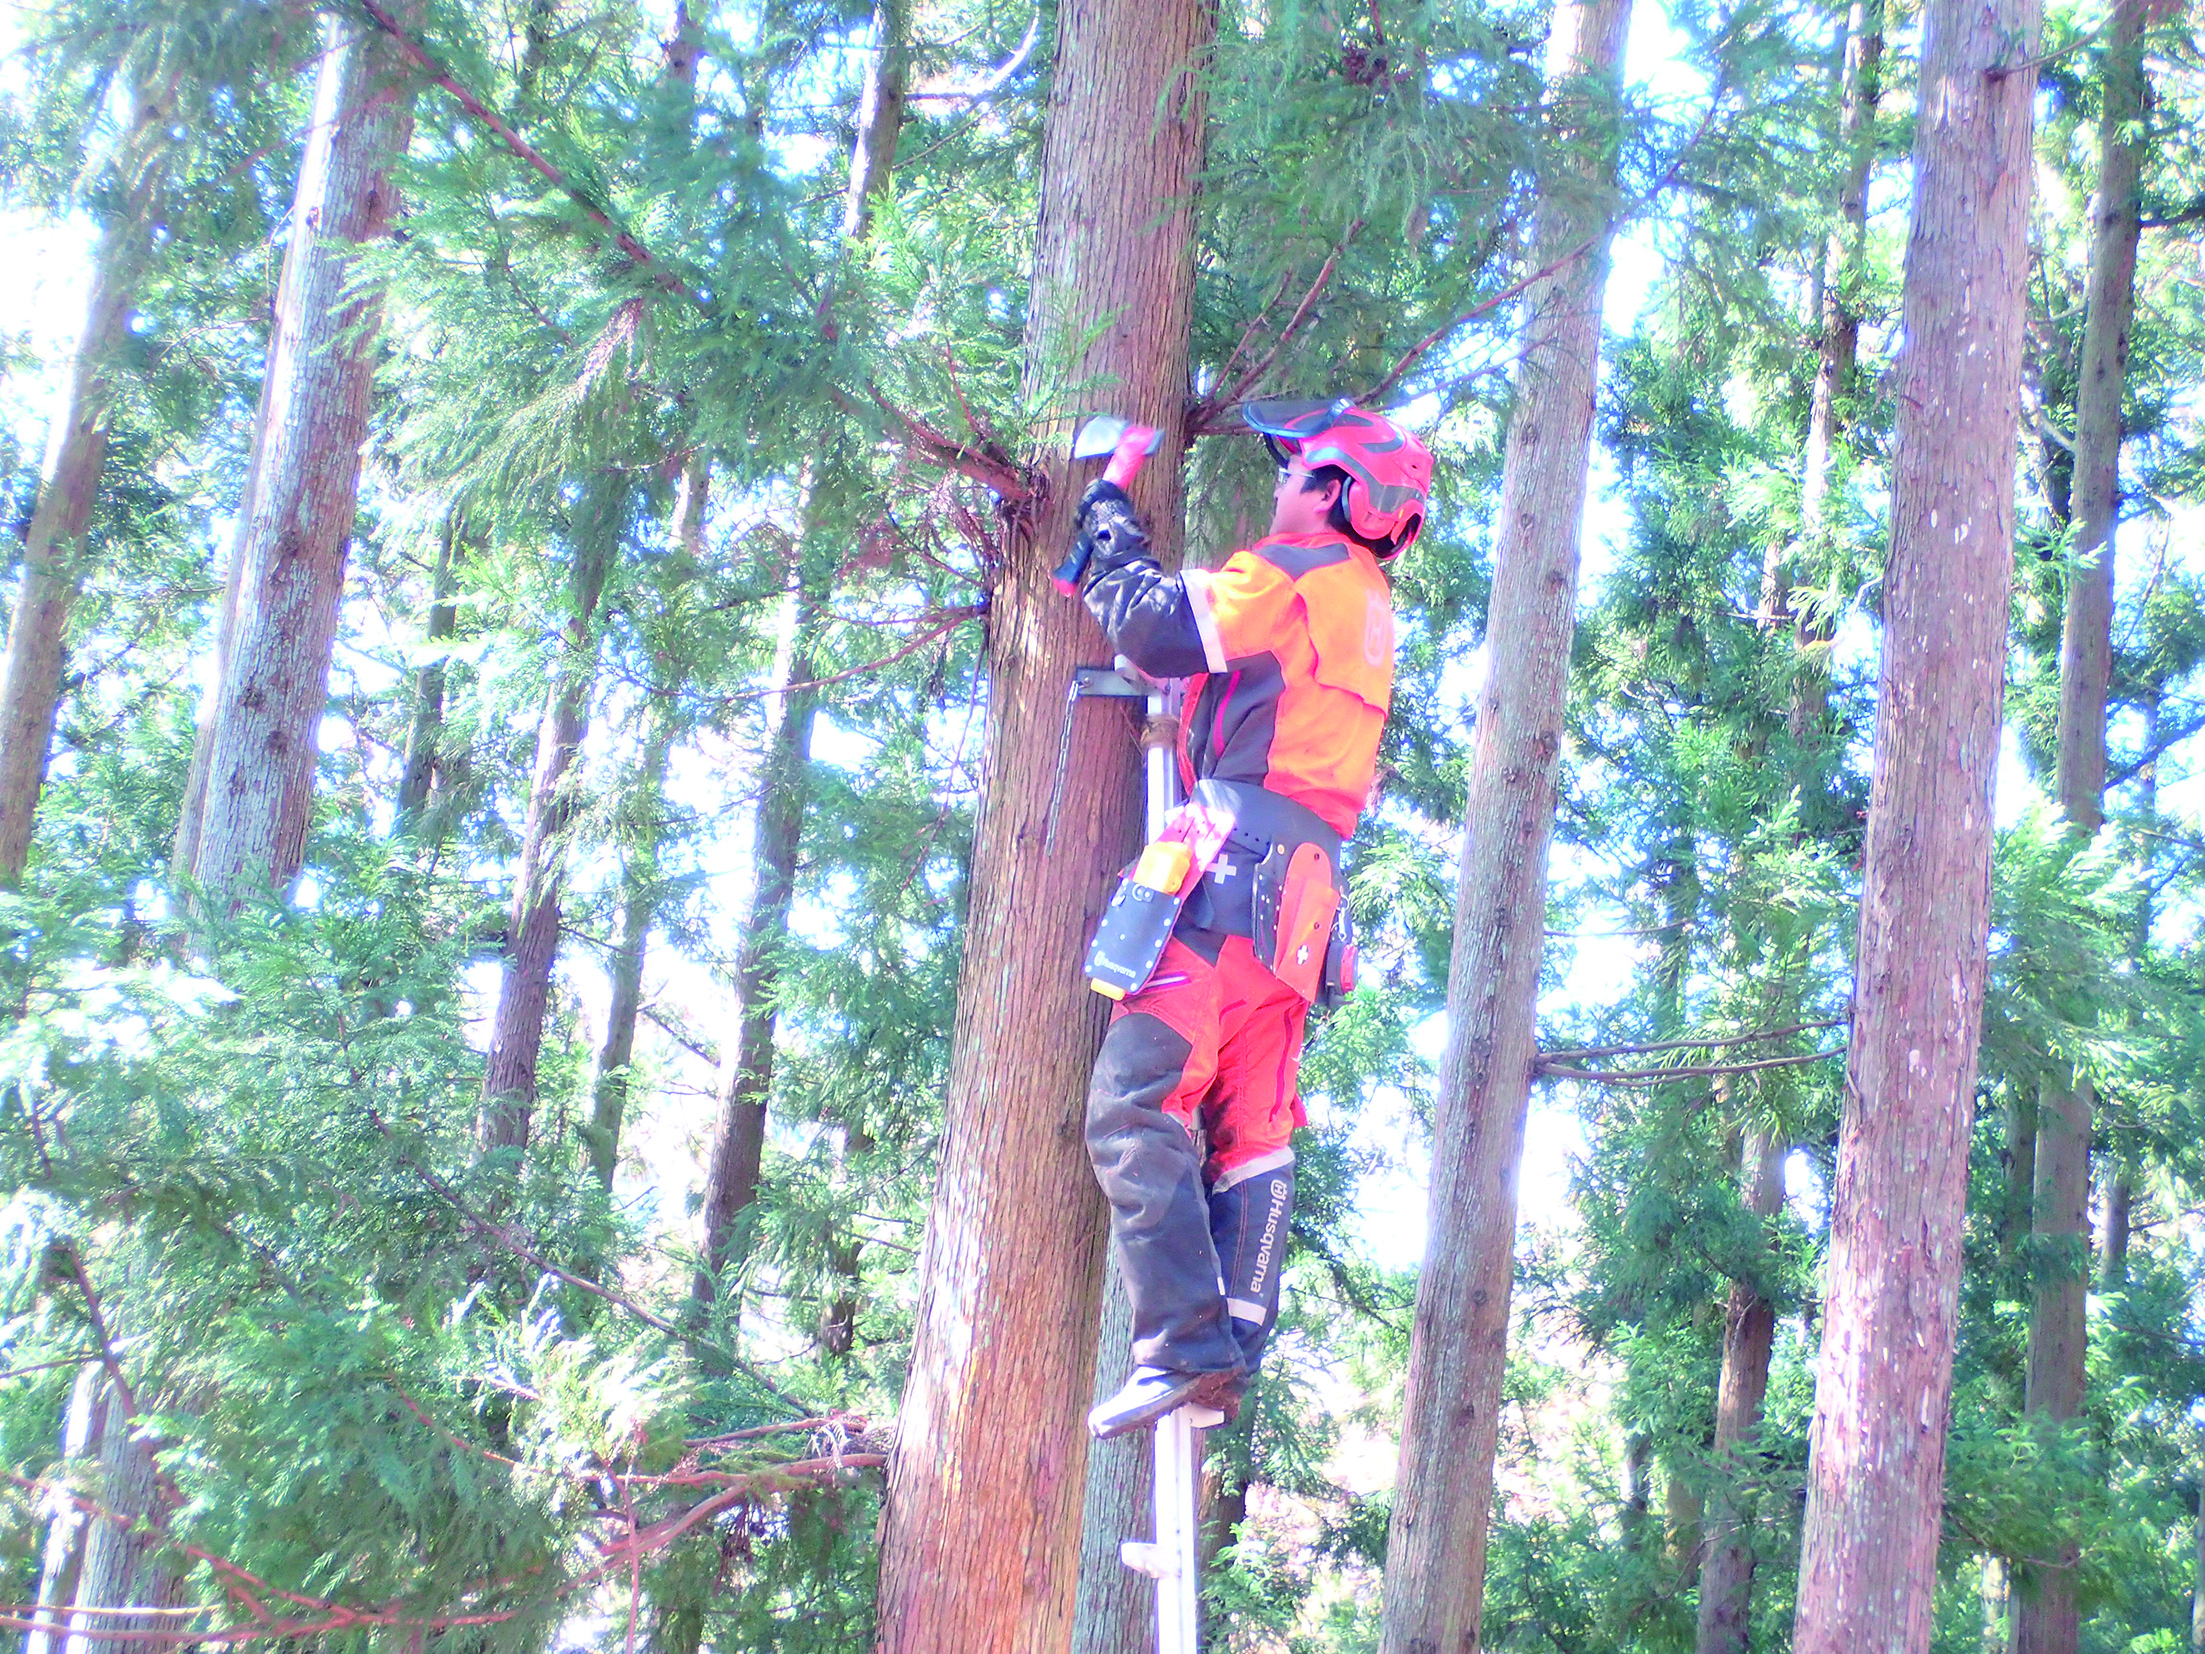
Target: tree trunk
[
  {"x": 1435, "y": 1560},
  {"x": 1861, "y": 80},
  {"x": 747, "y": 1064},
  {"x": 746, "y": 1075},
  {"x": 845, "y": 1259},
  {"x": 1869, "y": 1551},
  {"x": 532, "y": 924},
  {"x": 2021, "y": 1174},
  {"x": 289, "y": 564},
  {"x": 1749, "y": 1331},
  {"x": 880, "y": 115},
  {"x": 1683, "y": 1514},
  {"x": 63, "y": 1563},
  {"x": 2197, "y": 1572},
  {"x": 1637, "y": 1490},
  {"x": 1749, "y": 1336},
  {"x": 1006, "y": 1324},
  {"x": 55, "y": 551},
  {"x": 2047, "y": 1619},
  {"x": 121, "y": 1566},
  {"x": 1115, "y": 1608},
  {"x": 640, "y": 890},
  {"x": 420, "y": 763},
  {"x": 2120, "y": 1209},
  {"x": 1994, "y": 1591}
]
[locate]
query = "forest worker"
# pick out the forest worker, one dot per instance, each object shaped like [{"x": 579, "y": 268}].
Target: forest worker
[{"x": 1287, "y": 657}]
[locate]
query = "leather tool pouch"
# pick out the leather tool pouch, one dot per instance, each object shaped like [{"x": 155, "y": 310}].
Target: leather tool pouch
[
  {"x": 1295, "y": 901},
  {"x": 1135, "y": 928},
  {"x": 1137, "y": 925}
]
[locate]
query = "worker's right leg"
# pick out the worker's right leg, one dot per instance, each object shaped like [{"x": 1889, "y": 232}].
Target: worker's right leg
[
  {"x": 1251, "y": 1112},
  {"x": 1156, "y": 1063}
]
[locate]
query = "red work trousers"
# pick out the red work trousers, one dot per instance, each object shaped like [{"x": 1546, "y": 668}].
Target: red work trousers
[
  {"x": 1243, "y": 1029},
  {"x": 1201, "y": 1241}
]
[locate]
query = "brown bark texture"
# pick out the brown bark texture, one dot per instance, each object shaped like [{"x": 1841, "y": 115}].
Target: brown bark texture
[
  {"x": 1749, "y": 1336},
  {"x": 122, "y": 1565},
  {"x": 2047, "y": 1619},
  {"x": 1749, "y": 1331},
  {"x": 1116, "y": 1607},
  {"x": 1435, "y": 1561},
  {"x": 1869, "y": 1550},
  {"x": 290, "y": 557},
  {"x": 532, "y": 923},
  {"x": 880, "y": 114},
  {"x": 56, "y": 549},
  {"x": 747, "y": 1064},
  {"x": 980, "y": 1543}
]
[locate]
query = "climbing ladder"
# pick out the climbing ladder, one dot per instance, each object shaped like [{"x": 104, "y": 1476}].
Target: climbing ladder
[{"x": 1171, "y": 1559}]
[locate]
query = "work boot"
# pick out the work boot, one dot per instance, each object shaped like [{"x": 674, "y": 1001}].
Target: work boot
[
  {"x": 1152, "y": 1392},
  {"x": 1250, "y": 1209}
]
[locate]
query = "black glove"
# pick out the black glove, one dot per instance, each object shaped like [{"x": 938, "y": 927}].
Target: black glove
[{"x": 1111, "y": 535}]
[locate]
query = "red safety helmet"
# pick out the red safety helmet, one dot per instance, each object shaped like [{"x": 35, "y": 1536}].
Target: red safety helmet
[{"x": 1393, "y": 469}]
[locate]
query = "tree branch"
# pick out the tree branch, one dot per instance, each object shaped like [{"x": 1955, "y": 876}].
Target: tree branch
[
  {"x": 1662, "y": 1076},
  {"x": 1701, "y": 1044},
  {"x": 437, "y": 75}
]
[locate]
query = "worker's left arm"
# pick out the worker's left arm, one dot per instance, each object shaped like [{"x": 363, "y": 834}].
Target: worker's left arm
[{"x": 1145, "y": 611}]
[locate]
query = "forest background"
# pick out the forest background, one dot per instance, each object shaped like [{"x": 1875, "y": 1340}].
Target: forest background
[{"x": 526, "y": 557}]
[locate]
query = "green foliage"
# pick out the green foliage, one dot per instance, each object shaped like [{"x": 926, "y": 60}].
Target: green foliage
[{"x": 478, "y": 1396}]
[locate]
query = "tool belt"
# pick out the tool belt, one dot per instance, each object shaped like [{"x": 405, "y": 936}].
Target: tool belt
[{"x": 1259, "y": 865}]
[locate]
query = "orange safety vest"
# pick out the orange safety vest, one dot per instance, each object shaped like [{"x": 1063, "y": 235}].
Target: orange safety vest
[{"x": 1297, "y": 642}]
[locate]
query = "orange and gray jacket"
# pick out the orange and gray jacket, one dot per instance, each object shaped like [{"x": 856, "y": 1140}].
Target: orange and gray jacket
[{"x": 1287, "y": 651}]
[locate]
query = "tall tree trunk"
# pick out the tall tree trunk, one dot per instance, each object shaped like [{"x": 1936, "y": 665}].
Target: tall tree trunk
[
  {"x": 1749, "y": 1333},
  {"x": 640, "y": 892},
  {"x": 1435, "y": 1560},
  {"x": 1869, "y": 1551},
  {"x": 1683, "y": 1514},
  {"x": 1843, "y": 261},
  {"x": 418, "y": 776},
  {"x": 1749, "y": 1336},
  {"x": 880, "y": 115},
  {"x": 2047, "y": 1619},
  {"x": 747, "y": 1063},
  {"x": 289, "y": 564},
  {"x": 2197, "y": 1572},
  {"x": 55, "y": 552},
  {"x": 532, "y": 924},
  {"x": 1637, "y": 1491},
  {"x": 845, "y": 1257},
  {"x": 1014, "y": 1240},
  {"x": 122, "y": 1567},
  {"x": 1115, "y": 1608},
  {"x": 746, "y": 1074},
  {"x": 63, "y": 1563}
]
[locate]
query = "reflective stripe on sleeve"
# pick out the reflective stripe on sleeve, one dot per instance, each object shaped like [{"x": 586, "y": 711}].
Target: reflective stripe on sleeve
[{"x": 1197, "y": 582}]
